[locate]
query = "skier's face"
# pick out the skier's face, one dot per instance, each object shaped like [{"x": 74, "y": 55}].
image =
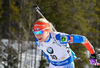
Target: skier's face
[{"x": 43, "y": 36}]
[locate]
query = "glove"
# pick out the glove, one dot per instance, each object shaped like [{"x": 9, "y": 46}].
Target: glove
[{"x": 93, "y": 60}]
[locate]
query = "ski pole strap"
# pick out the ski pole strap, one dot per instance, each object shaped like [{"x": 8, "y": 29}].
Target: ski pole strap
[{"x": 78, "y": 59}]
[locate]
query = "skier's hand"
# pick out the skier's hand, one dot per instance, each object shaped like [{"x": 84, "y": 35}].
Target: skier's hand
[{"x": 93, "y": 59}]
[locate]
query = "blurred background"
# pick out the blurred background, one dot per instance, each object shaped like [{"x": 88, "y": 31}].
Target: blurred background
[{"x": 17, "y": 17}]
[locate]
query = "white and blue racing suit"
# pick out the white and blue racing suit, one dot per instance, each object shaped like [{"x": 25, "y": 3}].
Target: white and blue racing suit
[{"x": 57, "y": 49}]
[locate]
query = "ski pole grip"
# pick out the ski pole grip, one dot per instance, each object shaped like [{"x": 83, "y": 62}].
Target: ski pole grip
[{"x": 36, "y": 8}]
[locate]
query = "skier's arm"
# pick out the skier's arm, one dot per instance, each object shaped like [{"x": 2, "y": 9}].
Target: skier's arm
[
  {"x": 65, "y": 38},
  {"x": 83, "y": 40},
  {"x": 87, "y": 44}
]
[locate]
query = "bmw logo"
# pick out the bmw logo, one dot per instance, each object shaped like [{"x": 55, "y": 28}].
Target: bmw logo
[{"x": 50, "y": 50}]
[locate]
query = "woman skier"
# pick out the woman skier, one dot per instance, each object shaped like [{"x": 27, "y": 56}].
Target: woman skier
[{"x": 55, "y": 45}]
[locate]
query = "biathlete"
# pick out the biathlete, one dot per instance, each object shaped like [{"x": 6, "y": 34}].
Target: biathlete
[{"x": 55, "y": 45}]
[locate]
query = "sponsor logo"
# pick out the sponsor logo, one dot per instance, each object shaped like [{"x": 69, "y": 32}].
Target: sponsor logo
[
  {"x": 63, "y": 39},
  {"x": 63, "y": 58},
  {"x": 50, "y": 50},
  {"x": 38, "y": 25}
]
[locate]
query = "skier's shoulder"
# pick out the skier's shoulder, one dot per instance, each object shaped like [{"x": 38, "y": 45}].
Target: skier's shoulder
[
  {"x": 59, "y": 33},
  {"x": 62, "y": 37}
]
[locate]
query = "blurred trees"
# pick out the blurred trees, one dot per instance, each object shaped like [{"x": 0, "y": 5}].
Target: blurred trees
[
  {"x": 70, "y": 16},
  {"x": 1, "y": 11},
  {"x": 17, "y": 20}
]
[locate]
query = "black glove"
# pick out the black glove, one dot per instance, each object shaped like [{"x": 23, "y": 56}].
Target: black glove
[
  {"x": 93, "y": 56},
  {"x": 93, "y": 60}
]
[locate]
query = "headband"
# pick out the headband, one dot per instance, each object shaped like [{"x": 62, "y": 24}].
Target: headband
[{"x": 41, "y": 26}]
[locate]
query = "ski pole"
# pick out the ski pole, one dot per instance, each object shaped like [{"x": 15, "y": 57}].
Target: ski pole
[
  {"x": 78, "y": 59},
  {"x": 36, "y": 8}
]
